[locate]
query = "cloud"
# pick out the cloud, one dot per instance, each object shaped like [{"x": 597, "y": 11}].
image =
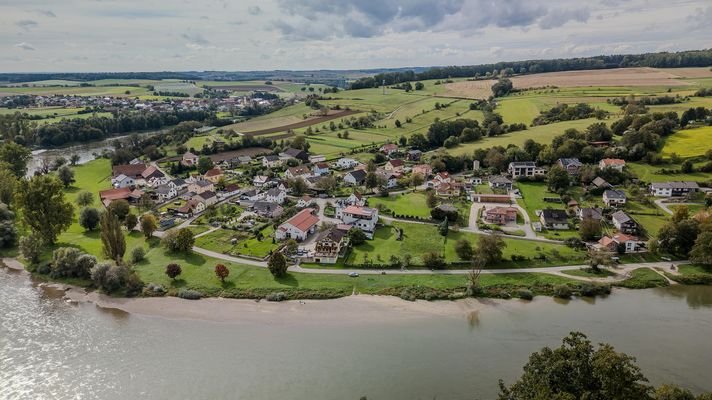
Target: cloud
[
  {"x": 25, "y": 46},
  {"x": 254, "y": 10},
  {"x": 701, "y": 19},
  {"x": 559, "y": 17},
  {"x": 46, "y": 13},
  {"x": 195, "y": 38},
  {"x": 27, "y": 24}
]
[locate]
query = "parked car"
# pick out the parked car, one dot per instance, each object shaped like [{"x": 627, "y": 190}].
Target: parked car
[{"x": 353, "y": 274}]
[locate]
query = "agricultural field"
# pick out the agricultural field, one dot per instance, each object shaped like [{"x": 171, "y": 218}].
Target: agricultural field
[
  {"x": 651, "y": 173},
  {"x": 689, "y": 142},
  {"x": 177, "y": 87}
]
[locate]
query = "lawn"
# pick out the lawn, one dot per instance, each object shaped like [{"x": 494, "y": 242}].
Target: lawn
[
  {"x": 689, "y": 142},
  {"x": 533, "y": 194},
  {"x": 651, "y": 173},
  {"x": 411, "y": 204},
  {"x": 589, "y": 273},
  {"x": 421, "y": 238},
  {"x": 643, "y": 278},
  {"x": 221, "y": 241}
]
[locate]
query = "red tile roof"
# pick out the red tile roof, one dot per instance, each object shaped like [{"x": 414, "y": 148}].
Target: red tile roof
[
  {"x": 213, "y": 172},
  {"x": 130, "y": 170},
  {"x": 115, "y": 194},
  {"x": 357, "y": 210},
  {"x": 304, "y": 220}
]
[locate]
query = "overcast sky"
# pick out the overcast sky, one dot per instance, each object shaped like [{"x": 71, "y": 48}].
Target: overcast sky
[{"x": 156, "y": 35}]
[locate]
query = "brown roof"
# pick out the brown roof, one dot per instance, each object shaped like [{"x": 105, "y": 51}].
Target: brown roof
[
  {"x": 150, "y": 171},
  {"x": 130, "y": 170},
  {"x": 299, "y": 170},
  {"x": 115, "y": 194},
  {"x": 357, "y": 210},
  {"x": 613, "y": 161},
  {"x": 213, "y": 172},
  {"x": 501, "y": 210},
  {"x": 396, "y": 163},
  {"x": 304, "y": 220}
]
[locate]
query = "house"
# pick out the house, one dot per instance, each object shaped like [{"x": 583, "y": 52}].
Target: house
[
  {"x": 320, "y": 168},
  {"x": 201, "y": 186},
  {"x": 259, "y": 180},
  {"x": 189, "y": 159},
  {"x": 328, "y": 245},
  {"x": 252, "y": 195},
  {"x": 317, "y": 158},
  {"x": 242, "y": 160},
  {"x": 107, "y": 196},
  {"x": 571, "y": 165},
  {"x": 305, "y": 201},
  {"x": 165, "y": 192},
  {"x": 600, "y": 183},
  {"x": 135, "y": 161},
  {"x": 346, "y": 163},
  {"x": 152, "y": 173},
  {"x": 178, "y": 184},
  {"x": 133, "y": 171},
  {"x": 122, "y": 181},
  {"x": 231, "y": 189},
  {"x": 295, "y": 153},
  {"x": 554, "y": 219},
  {"x": 414, "y": 155},
  {"x": 363, "y": 218},
  {"x": 673, "y": 189},
  {"x": 452, "y": 189},
  {"x": 388, "y": 149},
  {"x": 500, "y": 182},
  {"x": 213, "y": 175},
  {"x": 624, "y": 223},
  {"x": 190, "y": 207},
  {"x": 442, "y": 177},
  {"x": 355, "y": 199},
  {"x": 518, "y": 169},
  {"x": 275, "y": 195},
  {"x": 271, "y": 161},
  {"x": 613, "y": 198},
  {"x": 267, "y": 209},
  {"x": 208, "y": 198},
  {"x": 394, "y": 165},
  {"x": 300, "y": 171},
  {"x": 501, "y": 215},
  {"x": 299, "y": 227},
  {"x": 355, "y": 177},
  {"x": 629, "y": 243},
  {"x": 615, "y": 163},
  {"x": 589, "y": 213},
  {"x": 390, "y": 179},
  {"x": 423, "y": 169},
  {"x": 476, "y": 180},
  {"x": 157, "y": 181}
]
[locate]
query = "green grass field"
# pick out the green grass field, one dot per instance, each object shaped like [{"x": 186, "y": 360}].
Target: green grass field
[
  {"x": 413, "y": 204},
  {"x": 689, "y": 142},
  {"x": 220, "y": 241},
  {"x": 650, "y": 173},
  {"x": 533, "y": 194}
]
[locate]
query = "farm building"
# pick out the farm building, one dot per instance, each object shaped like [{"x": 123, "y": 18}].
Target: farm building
[{"x": 299, "y": 227}]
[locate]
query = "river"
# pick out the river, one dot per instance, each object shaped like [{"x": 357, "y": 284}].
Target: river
[{"x": 52, "y": 349}]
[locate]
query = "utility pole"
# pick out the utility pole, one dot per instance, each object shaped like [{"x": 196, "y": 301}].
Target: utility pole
[{"x": 384, "y": 87}]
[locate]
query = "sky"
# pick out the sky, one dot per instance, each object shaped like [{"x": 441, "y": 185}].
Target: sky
[{"x": 182, "y": 35}]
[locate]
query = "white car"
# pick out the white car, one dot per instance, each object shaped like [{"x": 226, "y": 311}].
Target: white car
[{"x": 353, "y": 274}]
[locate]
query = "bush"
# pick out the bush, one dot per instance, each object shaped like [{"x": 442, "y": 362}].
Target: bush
[
  {"x": 31, "y": 248},
  {"x": 138, "y": 254},
  {"x": 278, "y": 296},
  {"x": 525, "y": 294},
  {"x": 154, "y": 289},
  {"x": 89, "y": 218},
  {"x": 70, "y": 262},
  {"x": 134, "y": 285},
  {"x": 189, "y": 294},
  {"x": 562, "y": 292},
  {"x": 109, "y": 277}
]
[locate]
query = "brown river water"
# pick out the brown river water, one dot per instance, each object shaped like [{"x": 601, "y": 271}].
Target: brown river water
[{"x": 383, "y": 348}]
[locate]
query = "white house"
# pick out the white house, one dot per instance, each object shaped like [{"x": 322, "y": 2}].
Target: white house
[
  {"x": 673, "y": 189},
  {"x": 390, "y": 179},
  {"x": 363, "y": 218},
  {"x": 346, "y": 163},
  {"x": 166, "y": 192},
  {"x": 178, "y": 184},
  {"x": 614, "y": 197},
  {"x": 299, "y": 171},
  {"x": 615, "y": 163},
  {"x": 122, "y": 181},
  {"x": 271, "y": 161},
  {"x": 305, "y": 201},
  {"x": 320, "y": 168},
  {"x": 207, "y": 198},
  {"x": 189, "y": 159},
  {"x": 275, "y": 195},
  {"x": 201, "y": 186},
  {"x": 355, "y": 178},
  {"x": 355, "y": 199},
  {"x": 519, "y": 169},
  {"x": 299, "y": 227}
]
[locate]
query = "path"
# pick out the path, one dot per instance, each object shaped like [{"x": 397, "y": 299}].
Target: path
[{"x": 662, "y": 204}]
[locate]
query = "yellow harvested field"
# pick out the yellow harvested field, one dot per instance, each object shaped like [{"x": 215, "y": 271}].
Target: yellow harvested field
[
  {"x": 702, "y": 72},
  {"x": 469, "y": 89}
]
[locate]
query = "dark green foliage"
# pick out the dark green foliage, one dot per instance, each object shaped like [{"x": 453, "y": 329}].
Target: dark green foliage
[{"x": 89, "y": 218}]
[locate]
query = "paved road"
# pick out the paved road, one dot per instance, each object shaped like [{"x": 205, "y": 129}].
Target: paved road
[{"x": 662, "y": 204}]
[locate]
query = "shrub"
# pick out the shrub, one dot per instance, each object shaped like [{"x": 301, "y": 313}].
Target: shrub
[
  {"x": 109, "y": 277},
  {"x": 525, "y": 294},
  {"x": 30, "y": 248},
  {"x": 154, "y": 289},
  {"x": 134, "y": 284},
  {"x": 70, "y": 262},
  {"x": 189, "y": 294},
  {"x": 278, "y": 296},
  {"x": 173, "y": 270},
  {"x": 89, "y": 218},
  {"x": 562, "y": 292},
  {"x": 138, "y": 254}
]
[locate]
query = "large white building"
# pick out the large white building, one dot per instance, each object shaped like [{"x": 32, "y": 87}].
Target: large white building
[
  {"x": 363, "y": 218},
  {"x": 299, "y": 227}
]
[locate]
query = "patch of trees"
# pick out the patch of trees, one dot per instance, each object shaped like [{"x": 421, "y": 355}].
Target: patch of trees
[
  {"x": 564, "y": 112},
  {"x": 646, "y": 101},
  {"x": 170, "y": 94},
  {"x": 502, "y": 88},
  {"x": 697, "y": 114},
  {"x": 693, "y": 58},
  {"x": 704, "y": 92},
  {"x": 686, "y": 235}
]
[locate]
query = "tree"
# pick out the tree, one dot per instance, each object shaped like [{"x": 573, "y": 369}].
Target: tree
[
  {"x": 148, "y": 225},
  {"x": 221, "y": 272},
  {"x": 119, "y": 208},
  {"x": 204, "y": 164},
  {"x": 417, "y": 180},
  {"x": 502, "y": 87},
  {"x": 371, "y": 180},
  {"x": 356, "y": 237},
  {"x": 138, "y": 254},
  {"x": 112, "y": 237},
  {"x": 66, "y": 175},
  {"x": 444, "y": 227},
  {"x": 31, "y": 248},
  {"x": 185, "y": 240},
  {"x": 490, "y": 248},
  {"x": 398, "y": 123},
  {"x": 277, "y": 264},
  {"x": 558, "y": 178},
  {"x": 678, "y": 238},
  {"x": 145, "y": 203},
  {"x": 85, "y": 199},
  {"x": 327, "y": 183},
  {"x": 173, "y": 270},
  {"x": 578, "y": 371},
  {"x": 8, "y": 180},
  {"x": 16, "y": 156},
  {"x": 74, "y": 159},
  {"x": 464, "y": 249},
  {"x": 702, "y": 250},
  {"x": 597, "y": 258},
  {"x": 430, "y": 200},
  {"x": 110, "y": 277},
  {"x": 89, "y": 218},
  {"x": 131, "y": 221},
  {"x": 589, "y": 229},
  {"x": 44, "y": 208},
  {"x": 297, "y": 186},
  {"x": 672, "y": 392},
  {"x": 433, "y": 260},
  {"x": 70, "y": 262},
  {"x": 473, "y": 276}
]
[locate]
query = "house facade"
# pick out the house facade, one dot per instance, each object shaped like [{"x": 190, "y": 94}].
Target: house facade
[
  {"x": 299, "y": 227},
  {"x": 363, "y": 218},
  {"x": 624, "y": 223},
  {"x": 554, "y": 219},
  {"x": 501, "y": 215},
  {"x": 328, "y": 246},
  {"x": 673, "y": 189},
  {"x": 201, "y": 186},
  {"x": 614, "y": 198},
  {"x": 518, "y": 169},
  {"x": 571, "y": 165}
]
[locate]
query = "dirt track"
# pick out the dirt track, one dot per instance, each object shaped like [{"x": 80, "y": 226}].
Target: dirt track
[{"x": 301, "y": 124}]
